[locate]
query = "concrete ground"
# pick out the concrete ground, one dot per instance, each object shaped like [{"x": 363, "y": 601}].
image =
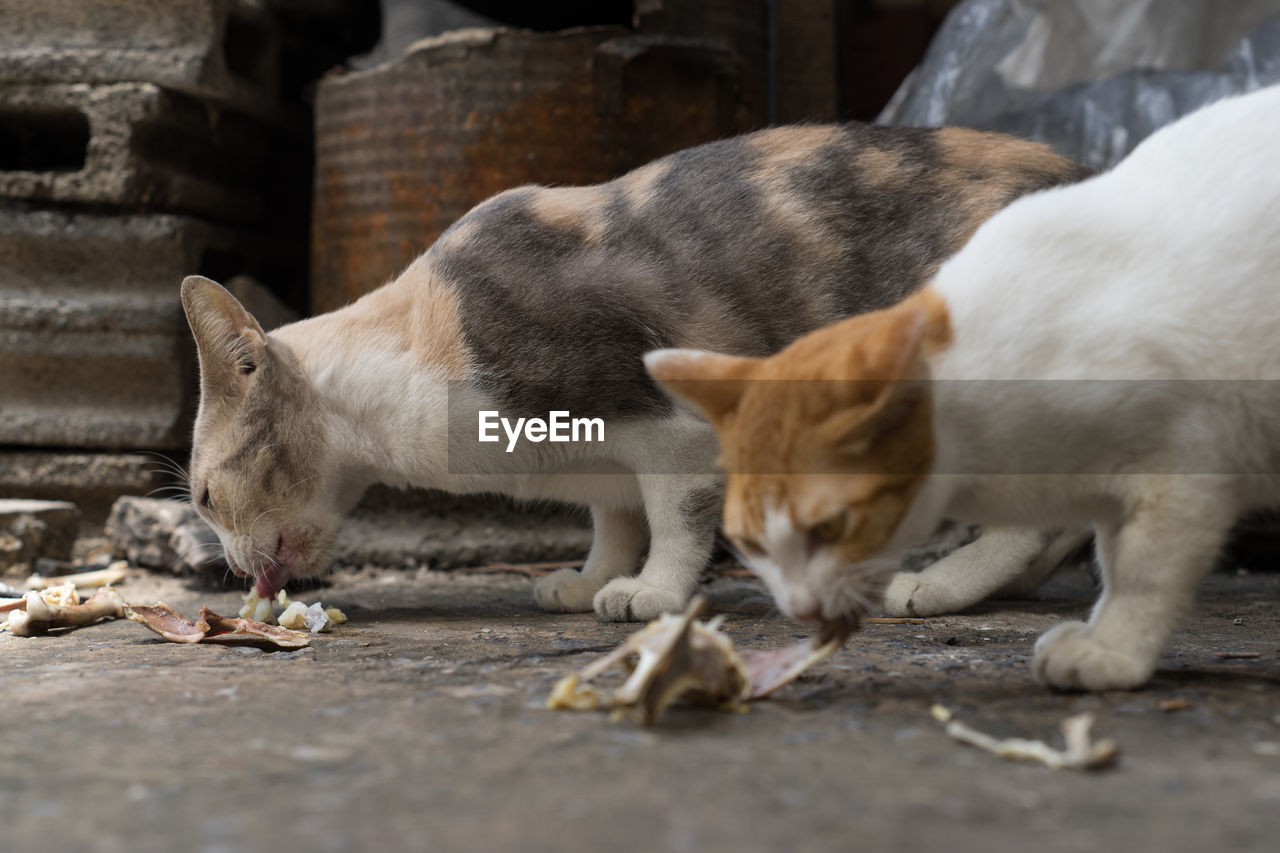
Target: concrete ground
[{"x": 420, "y": 725}]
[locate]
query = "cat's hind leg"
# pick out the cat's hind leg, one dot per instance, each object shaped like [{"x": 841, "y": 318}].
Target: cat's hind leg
[
  {"x": 1000, "y": 556},
  {"x": 683, "y": 513},
  {"x": 618, "y": 539},
  {"x": 1151, "y": 563}
]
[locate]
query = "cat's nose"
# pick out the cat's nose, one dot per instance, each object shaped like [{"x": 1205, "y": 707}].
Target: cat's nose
[
  {"x": 805, "y": 607},
  {"x": 812, "y": 613}
]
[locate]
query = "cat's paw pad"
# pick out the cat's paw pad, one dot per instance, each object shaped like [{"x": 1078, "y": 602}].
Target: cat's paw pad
[
  {"x": 1069, "y": 657},
  {"x": 633, "y": 600},
  {"x": 908, "y": 595},
  {"x": 566, "y": 591}
]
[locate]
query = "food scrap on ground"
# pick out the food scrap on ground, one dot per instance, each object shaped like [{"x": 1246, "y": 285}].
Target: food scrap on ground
[
  {"x": 213, "y": 628},
  {"x": 1081, "y": 752},
  {"x": 257, "y": 608},
  {"x": 677, "y": 657},
  {"x": 57, "y": 605},
  {"x": 60, "y": 607},
  {"x": 296, "y": 614}
]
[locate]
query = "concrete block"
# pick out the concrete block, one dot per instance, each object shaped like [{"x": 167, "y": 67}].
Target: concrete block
[
  {"x": 388, "y": 530},
  {"x": 137, "y": 145},
  {"x": 163, "y": 534},
  {"x": 31, "y": 529},
  {"x": 441, "y": 531},
  {"x": 92, "y": 480},
  {"x": 224, "y": 50},
  {"x": 94, "y": 350}
]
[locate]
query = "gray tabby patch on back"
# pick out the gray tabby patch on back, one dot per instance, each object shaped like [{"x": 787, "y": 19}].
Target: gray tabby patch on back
[{"x": 738, "y": 246}]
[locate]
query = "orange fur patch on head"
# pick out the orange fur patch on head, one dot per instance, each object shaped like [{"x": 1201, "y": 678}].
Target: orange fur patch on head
[
  {"x": 841, "y": 421},
  {"x": 713, "y": 383}
]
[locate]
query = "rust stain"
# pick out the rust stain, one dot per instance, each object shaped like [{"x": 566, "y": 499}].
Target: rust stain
[{"x": 404, "y": 153}]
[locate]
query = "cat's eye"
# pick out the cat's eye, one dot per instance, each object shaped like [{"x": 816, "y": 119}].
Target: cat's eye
[
  {"x": 829, "y": 530},
  {"x": 247, "y": 367},
  {"x": 204, "y": 500}
]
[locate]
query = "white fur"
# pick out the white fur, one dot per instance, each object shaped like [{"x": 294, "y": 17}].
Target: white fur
[
  {"x": 1166, "y": 268},
  {"x": 387, "y": 421}
]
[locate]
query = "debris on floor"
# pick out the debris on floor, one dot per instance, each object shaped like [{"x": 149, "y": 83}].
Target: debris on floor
[
  {"x": 55, "y": 603},
  {"x": 60, "y": 607},
  {"x": 294, "y": 614},
  {"x": 112, "y": 574},
  {"x": 1081, "y": 752},
  {"x": 213, "y": 628},
  {"x": 677, "y": 657}
]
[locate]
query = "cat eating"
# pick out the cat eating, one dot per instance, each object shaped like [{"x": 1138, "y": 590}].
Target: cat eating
[
  {"x": 1101, "y": 355},
  {"x": 540, "y": 303}
]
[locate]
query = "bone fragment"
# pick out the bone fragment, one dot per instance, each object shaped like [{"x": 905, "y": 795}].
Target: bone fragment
[
  {"x": 677, "y": 657},
  {"x": 1080, "y": 752},
  {"x": 40, "y": 614},
  {"x": 112, "y": 574}
]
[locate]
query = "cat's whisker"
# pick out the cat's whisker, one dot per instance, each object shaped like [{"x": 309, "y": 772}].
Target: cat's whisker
[
  {"x": 177, "y": 491},
  {"x": 254, "y": 523},
  {"x": 207, "y": 558},
  {"x": 166, "y": 465},
  {"x": 303, "y": 480},
  {"x": 270, "y": 559}
]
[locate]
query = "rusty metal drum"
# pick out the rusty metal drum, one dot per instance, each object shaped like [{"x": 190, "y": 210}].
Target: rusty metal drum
[{"x": 404, "y": 149}]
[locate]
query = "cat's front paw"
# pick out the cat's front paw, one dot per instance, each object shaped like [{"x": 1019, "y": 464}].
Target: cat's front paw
[
  {"x": 633, "y": 600},
  {"x": 1069, "y": 657},
  {"x": 908, "y": 595},
  {"x": 566, "y": 591}
]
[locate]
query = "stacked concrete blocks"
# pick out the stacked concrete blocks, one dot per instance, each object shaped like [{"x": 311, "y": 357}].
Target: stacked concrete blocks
[
  {"x": 94, "y": 351},
  {"x": 140, "y": 141},
  {"x": 220, "y": 50}
]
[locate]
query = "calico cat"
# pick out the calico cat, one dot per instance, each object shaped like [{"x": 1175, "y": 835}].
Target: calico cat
[
  {"x": 544, "y": 300},
  {"x": 1101, "y": 355}
]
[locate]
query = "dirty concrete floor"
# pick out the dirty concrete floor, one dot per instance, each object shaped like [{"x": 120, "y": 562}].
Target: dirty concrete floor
[{"x": 419, "y": 726}]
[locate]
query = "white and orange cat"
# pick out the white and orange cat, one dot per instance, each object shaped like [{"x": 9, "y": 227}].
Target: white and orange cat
[
  {"x": 544, "y": 300},
  {"x": 1102, "y": 355}
]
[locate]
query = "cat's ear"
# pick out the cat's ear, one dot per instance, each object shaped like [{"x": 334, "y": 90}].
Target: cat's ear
[
  {"x": 893, "y": 344},
  {"x": 229, "y": 341},
  {"x": 711, "y": 382},
  {"x": 887, "y": 389}
]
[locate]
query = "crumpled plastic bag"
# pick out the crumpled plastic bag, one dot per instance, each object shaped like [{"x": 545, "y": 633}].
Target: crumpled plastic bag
[{"x": 1091, "y": 78}]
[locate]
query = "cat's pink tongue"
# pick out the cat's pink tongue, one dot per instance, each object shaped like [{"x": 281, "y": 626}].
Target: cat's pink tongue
[{"x": 272, "y": 580}]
